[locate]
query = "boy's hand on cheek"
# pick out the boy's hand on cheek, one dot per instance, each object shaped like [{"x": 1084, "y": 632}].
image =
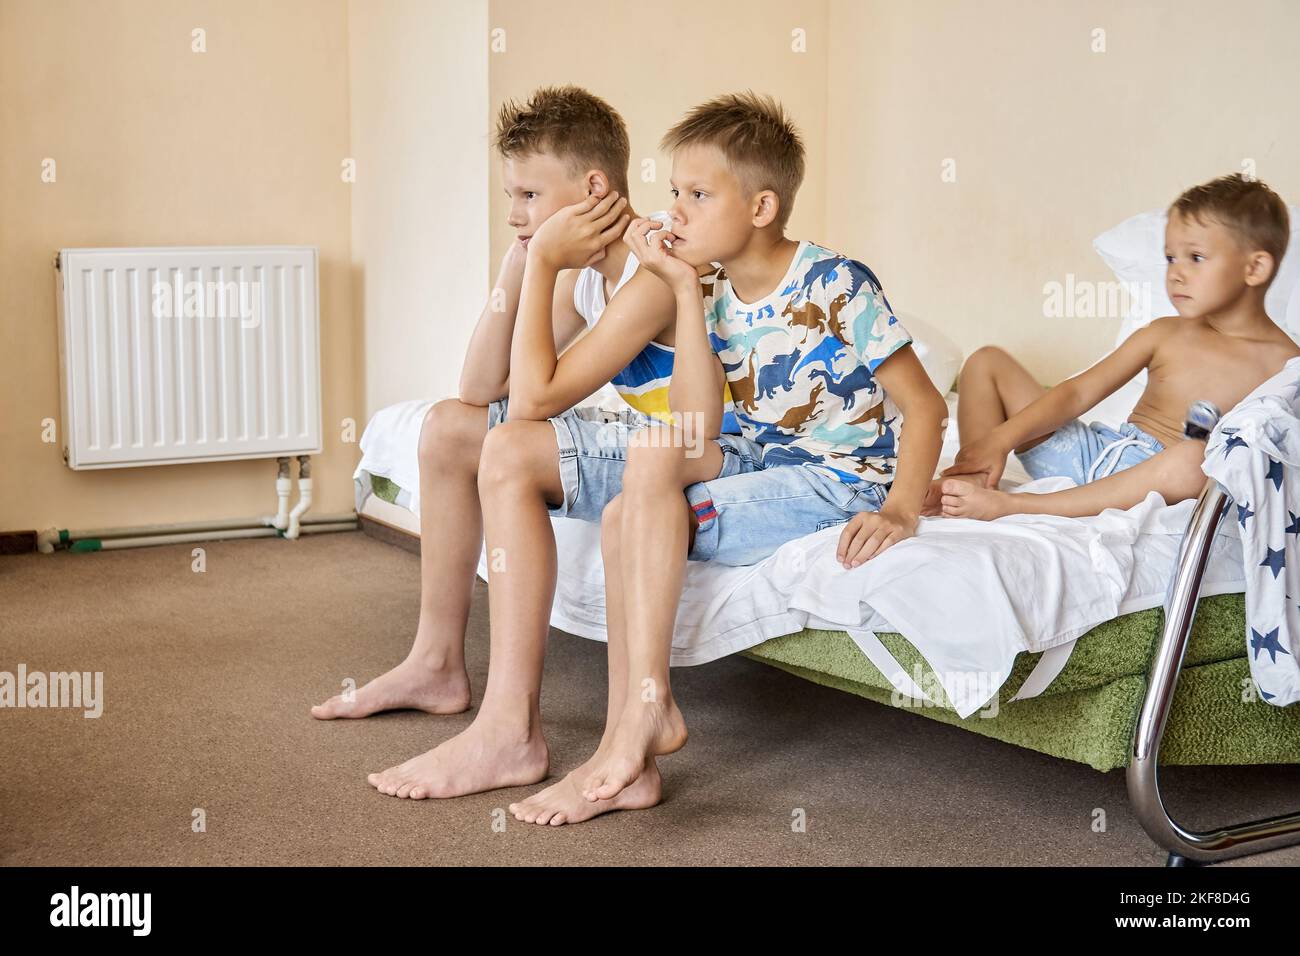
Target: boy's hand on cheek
[
  {"x": 576, "y": 236},
  {"x": 645, "y": 237},
  {"x": 870, "y": 533}
]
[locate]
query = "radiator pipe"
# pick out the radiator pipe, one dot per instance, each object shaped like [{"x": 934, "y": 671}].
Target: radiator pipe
[
  {"x": 304, "y": 497},
  {"x": 266, "y": 526},
  {"x": 115, "y": 544},
  {"x": 53, "y": 537},
  {"x": 282, "y": 488}
]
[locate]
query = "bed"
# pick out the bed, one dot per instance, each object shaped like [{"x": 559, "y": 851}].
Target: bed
[
  {"x": 1143, "y": 664},
  {"x": 1091, "y": 699}
]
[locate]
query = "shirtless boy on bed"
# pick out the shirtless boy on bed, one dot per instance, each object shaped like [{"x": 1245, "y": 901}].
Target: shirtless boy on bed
[
  {"x": 564, "y": 163},
  {"x": 1223, "y": 245}
]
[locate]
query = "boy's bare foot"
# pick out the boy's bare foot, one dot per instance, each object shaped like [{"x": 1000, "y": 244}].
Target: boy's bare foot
[
  {"x": 647, "y": 729},
  {"x": 478, "y": 758},
  {"x": 932, "y": 504},
  {"x": 964, "y": 499},
  {"x": 563, "y": 802},
  {"x": 411, "y": 685}
]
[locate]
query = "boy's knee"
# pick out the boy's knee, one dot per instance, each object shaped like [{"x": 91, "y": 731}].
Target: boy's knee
[
  {"x": 985, "y": 357},
  {"x": 611, "y": 520},
  {"x": 1181, "y": 475},
  {"x": 652, "y": 459},
  {"x": 452, "y": 432},
  {"x": 496, "y": 464},
  {"x": 516, "y": 453}
]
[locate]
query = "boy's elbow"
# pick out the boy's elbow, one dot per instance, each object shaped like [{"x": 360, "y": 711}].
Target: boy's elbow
[
  {"x": 931, "y": 409},
  {"x": 711, "y": 427},
  {"x": 534, "y": 407},
  {"x": 476, "y": 393},
  {"x": 527, "y": 410}
]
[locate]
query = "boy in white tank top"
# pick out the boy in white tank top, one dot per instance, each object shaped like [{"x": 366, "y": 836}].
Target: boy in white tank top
[{"x": 512, "y": 451}]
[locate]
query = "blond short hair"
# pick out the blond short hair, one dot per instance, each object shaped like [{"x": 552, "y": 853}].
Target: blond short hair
[
  {"x": 1252, "y": 212},
  {"x": 761, "y": 144},
  {"x": 570, "y": 124}
]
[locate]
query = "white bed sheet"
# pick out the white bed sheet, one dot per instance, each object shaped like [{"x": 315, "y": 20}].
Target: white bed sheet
[{"x": 1029, "y": 582}]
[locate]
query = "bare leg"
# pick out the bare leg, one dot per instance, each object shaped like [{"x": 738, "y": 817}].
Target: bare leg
[
  {"x": 433, "y": 678},
  {"x": 657, "y": 524},
  {"x": 1175, "y": 473},
  {"x": 993, "y": 387},
  {"x": 504, "y": 747},
  {"x": 563, "y": 802}
]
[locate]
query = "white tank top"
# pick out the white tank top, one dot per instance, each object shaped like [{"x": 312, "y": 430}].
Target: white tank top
[
  {"x": 643, "y": 384},
  {"x": 589, "y": 290}
]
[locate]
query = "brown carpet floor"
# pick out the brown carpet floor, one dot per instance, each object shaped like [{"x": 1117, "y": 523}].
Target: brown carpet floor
[{"x": 208, "y": 678}]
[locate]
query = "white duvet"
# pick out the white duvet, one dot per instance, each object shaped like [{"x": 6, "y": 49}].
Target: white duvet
[{"x": 969, "y": 595}]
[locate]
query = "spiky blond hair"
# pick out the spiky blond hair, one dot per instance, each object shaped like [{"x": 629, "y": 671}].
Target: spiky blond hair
[
  {"x": 761, "y": 143},
  {"x": 571, "y": 124}
]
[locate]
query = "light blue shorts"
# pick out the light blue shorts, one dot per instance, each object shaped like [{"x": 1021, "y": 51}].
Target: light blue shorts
[
  {"x": 1086, "y": 453},
  {"x": 592, "y": 446},
  {"x": 749, "y": 511}
]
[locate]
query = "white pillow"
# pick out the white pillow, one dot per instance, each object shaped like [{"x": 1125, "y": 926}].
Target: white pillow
[
  {"x": 940, "y": 356},
  {"x": 1135, "y": 252}
]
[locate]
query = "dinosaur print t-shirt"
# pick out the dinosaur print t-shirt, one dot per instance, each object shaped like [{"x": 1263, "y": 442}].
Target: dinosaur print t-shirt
[{"x": 801, "y": 365}]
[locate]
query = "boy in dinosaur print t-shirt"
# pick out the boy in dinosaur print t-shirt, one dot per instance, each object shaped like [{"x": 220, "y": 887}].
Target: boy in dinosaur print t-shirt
[
  {"x": 801, "y": 364},
  {"x": 841, "y": 425}
]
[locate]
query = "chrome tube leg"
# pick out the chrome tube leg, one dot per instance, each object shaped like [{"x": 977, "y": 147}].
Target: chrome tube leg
[{"x": 1186, "y": 846}]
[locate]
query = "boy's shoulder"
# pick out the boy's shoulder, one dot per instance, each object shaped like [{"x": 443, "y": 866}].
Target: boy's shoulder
[
  {"x": 826, "y": 272},
  {"x": 1176, "y": 341},
  {"x": 818, "y": 274},
  {"x": 1281, "y": 339},
  {"x": 1169, "y": 331}
]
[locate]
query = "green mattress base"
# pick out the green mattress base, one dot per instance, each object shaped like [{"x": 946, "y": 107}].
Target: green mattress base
[
  {"x": 1088, "y": 713},
  {"x": 385, "y": 489}
]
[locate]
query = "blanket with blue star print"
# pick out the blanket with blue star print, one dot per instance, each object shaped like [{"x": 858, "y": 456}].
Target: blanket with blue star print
[{"x": 1254, "y": 454}]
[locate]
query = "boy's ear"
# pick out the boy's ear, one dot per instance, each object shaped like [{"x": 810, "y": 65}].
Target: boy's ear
[
  {"x": 597, "y": 184},
  {"x": 1259, "y": 267},
  {"x": 766, "y": 205}
]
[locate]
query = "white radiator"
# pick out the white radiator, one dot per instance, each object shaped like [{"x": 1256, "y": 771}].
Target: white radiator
[{"x": 172, "y": 355}]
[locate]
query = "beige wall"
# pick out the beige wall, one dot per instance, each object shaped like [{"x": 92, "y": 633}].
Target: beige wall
[
  {"x": 419, "y": 209},
  {"x": 156, "y": 145},
  {"x": 1053, "y": 144},
  {"x": 653, "y": 62}
]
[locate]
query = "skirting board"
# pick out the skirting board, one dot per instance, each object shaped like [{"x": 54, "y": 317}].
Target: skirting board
[
  {"x": 390, "y": 534},
  {"x": 17, "y": 542}
]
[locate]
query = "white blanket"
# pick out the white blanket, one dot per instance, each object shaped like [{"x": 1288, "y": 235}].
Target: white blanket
[
  {"x": 390, "y": 448},
  {"x": 1254, "y": 454},
  {"x": 970, "y": 595}
]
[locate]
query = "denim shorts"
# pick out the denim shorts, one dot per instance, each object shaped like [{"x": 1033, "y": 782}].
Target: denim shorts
[
  {"x": 592, "y": 447},
  {"x": 1086, "y": 453},
  {"x": 749, "y": 511}
]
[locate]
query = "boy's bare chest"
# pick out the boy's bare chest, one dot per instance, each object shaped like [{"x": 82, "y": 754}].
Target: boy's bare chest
[{"x": 1207, "y": 366}]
